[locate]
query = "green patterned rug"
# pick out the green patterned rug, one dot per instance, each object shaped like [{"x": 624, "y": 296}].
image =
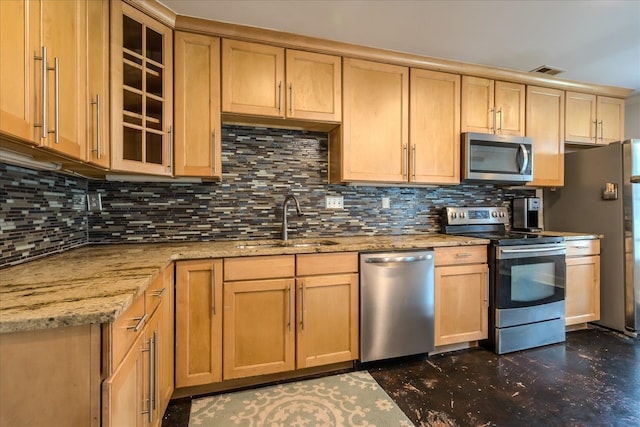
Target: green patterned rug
[{"x": 353, "y": 399}]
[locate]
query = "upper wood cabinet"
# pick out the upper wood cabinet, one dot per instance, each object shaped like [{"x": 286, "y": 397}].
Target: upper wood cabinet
[
  {"x": 198, "y": 322},
  {"x": 97, "y": 97},
  {"x": 545, "y": 125},
  {"x": 19, "y": 41},
  {"x": 434, "y": 133},
  {"x": 43, "y": 91},
  {"x": 197, "y": 106},
  {"x": 265, "y": 80},
  {"x": 314, "y": 86},
  {"x": 372, "y": 144},
  {"x": 141, "y": 92},
  {"x": 490, "y": 106},
  {"x": 593, "y": 119}
]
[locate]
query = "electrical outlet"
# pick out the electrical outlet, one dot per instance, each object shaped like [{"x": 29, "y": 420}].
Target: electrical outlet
[
  {"x": 94, "y": 202},
  {"x": 334, "y": 202},
  {"x": 386, "y": 203}
]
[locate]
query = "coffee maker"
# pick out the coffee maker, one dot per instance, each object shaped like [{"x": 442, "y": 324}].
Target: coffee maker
[{"x": 526, "y": 214}]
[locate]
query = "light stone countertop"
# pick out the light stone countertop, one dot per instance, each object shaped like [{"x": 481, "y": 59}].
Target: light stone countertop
[{"x": 95, "y": 284}]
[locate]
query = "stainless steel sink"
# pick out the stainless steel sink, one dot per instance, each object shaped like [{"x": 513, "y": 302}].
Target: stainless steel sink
[{"x": 286, "y": 244}]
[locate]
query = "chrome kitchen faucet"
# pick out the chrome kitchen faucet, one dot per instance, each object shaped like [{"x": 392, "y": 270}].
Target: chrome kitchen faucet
[{"x": 284, "y": 214}]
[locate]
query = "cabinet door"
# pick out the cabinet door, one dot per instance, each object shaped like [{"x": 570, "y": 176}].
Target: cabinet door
[
  {"x": 611, "y": 119},
  {"x": 327, "y": 319},
  {"x": 252, "y": 78},
  {"x": 198, "y": 322},
  {"x": 63, "y": 32},
  {"x": 375, "y": 125},
  {"x": 314, "y": 86},
  {"x": 509, "y": 108},
  {"x": 259, "y": 327},
  {"x": 123, "y": 393},
  {"x": 477, "y": 112},
  {"x": 461, "y": 303},
  {"x": 19, "y": 94},
  {"x": 580, "y": 117},
  {"x": 545, "y": 125},
  {"x": 97, "y": 97},
  {"x": 197, "y": 106},
  {"x": 435, "y": 127},
  {"x": 582, "y": 300},
  {"x": 141, "y": 92}
]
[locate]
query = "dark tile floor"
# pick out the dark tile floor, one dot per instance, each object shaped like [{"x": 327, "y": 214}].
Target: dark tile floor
[{"x": 591, "y": 380}]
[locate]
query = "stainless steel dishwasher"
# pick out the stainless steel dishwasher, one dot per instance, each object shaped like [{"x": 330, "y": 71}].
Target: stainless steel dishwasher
[{"x": 396, "y": 304}]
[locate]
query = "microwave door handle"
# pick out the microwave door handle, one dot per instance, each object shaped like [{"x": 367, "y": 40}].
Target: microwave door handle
[{"x": 525, "y": 158}]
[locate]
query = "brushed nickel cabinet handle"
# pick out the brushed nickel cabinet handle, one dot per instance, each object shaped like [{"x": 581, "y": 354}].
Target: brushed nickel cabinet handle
[
  {"x": 289, "y": 308},
  {"x": 213, "y": 152},
  {"x": 44, "y": 69},
  {"x": 405, "y": 163},
  {"x": 56, "y": 95},
  {"x": 170, "y": 156},
  {"x": 595, "y": 134},
  {"x": 492, "y": 112},
  {"x": 302, "y": 306},
  {"x": 98, "y": 148},
  {"x": 291, "y": 98},
  {"x": 138, "y": 325},
  {"x": 279, "y": 97},
  {"x": 414, "y": 161},
  {"x": 213, "y": 290}
]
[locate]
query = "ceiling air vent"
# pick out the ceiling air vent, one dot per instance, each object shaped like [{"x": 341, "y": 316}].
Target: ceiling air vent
[{"x": 548, "y": 69}]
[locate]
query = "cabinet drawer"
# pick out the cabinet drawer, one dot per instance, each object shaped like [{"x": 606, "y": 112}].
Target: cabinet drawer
[
  {"x": 583, "y": 247},
  {"x": 456, "y": 255},
  {"x": 329, "y": 263},
  {"x": 259, "y": 267},
  {"x": 125, "y": 330},
  {"x": 154, "y": 294}
]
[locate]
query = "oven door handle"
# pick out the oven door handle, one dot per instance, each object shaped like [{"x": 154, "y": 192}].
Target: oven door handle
[{"x": 529, "y": 250}]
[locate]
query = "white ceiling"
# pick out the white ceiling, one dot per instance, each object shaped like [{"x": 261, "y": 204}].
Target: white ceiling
[{"x": 595, "y": 41}]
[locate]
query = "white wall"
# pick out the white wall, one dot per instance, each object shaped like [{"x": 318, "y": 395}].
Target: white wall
[{"x": 632, "y": 117}]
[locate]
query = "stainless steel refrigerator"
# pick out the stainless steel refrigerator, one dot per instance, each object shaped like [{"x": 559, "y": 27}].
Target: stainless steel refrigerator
[{"x": 601, "y": 194}]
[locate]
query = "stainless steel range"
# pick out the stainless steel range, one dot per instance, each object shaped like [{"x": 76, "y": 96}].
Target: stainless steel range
[{"x": 526, "y": 279}]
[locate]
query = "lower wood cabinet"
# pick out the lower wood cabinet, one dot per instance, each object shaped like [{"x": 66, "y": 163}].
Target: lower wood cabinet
[
  {"x": 461, "y": 294},
  {"x": 582, "y": 297},
  {"x": 259, "y": 316},
  {"x": 138, "y": 388},
  {"x": 198, "y": 349},
  {"x": 327, "y": 316},
  {"x": 50, "y": 377}
]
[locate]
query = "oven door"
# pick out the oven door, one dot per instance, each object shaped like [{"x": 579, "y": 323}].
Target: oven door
[{"x": 529, "y": 275}]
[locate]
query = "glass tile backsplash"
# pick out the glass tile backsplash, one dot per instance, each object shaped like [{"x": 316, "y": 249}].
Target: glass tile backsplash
[{"x": 260, "y": 167}]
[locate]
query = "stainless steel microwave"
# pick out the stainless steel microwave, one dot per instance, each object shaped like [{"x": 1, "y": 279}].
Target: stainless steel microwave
[{"x": 502, "y": 159}]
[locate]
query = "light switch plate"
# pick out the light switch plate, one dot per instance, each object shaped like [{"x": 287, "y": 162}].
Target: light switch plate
[
  {"x": 334, "y": 202},
  {"x": 94, "y": 202},
  {"x": 386, "y": 203}
]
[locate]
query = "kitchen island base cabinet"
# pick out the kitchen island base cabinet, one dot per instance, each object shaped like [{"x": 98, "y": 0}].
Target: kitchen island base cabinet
[
  {"x": 198, "y": 322},
  {"x": 461, "y": 295},
  {"x": 50, "y": 375}
]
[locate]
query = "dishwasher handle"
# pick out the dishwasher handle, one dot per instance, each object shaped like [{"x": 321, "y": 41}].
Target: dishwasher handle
[{"x": 414, "y": 258}]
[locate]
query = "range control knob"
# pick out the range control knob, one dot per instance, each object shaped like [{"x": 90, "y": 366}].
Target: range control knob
[
  {"x": 454, "y": 215},
  {"x": 494, "y": 214},
  {"x": 461, "y": 214},
  {"x": 501, "y": 214}
]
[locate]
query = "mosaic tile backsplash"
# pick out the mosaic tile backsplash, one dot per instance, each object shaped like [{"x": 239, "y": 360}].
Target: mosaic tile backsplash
[
  {"x": 44, "y": 212},
  {"x": 259, "y": 168},
  {"x": 40, "y": 213}
]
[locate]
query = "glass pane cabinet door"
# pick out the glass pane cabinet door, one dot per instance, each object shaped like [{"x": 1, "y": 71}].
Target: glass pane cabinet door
[{"x": 142, "y": 118}]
